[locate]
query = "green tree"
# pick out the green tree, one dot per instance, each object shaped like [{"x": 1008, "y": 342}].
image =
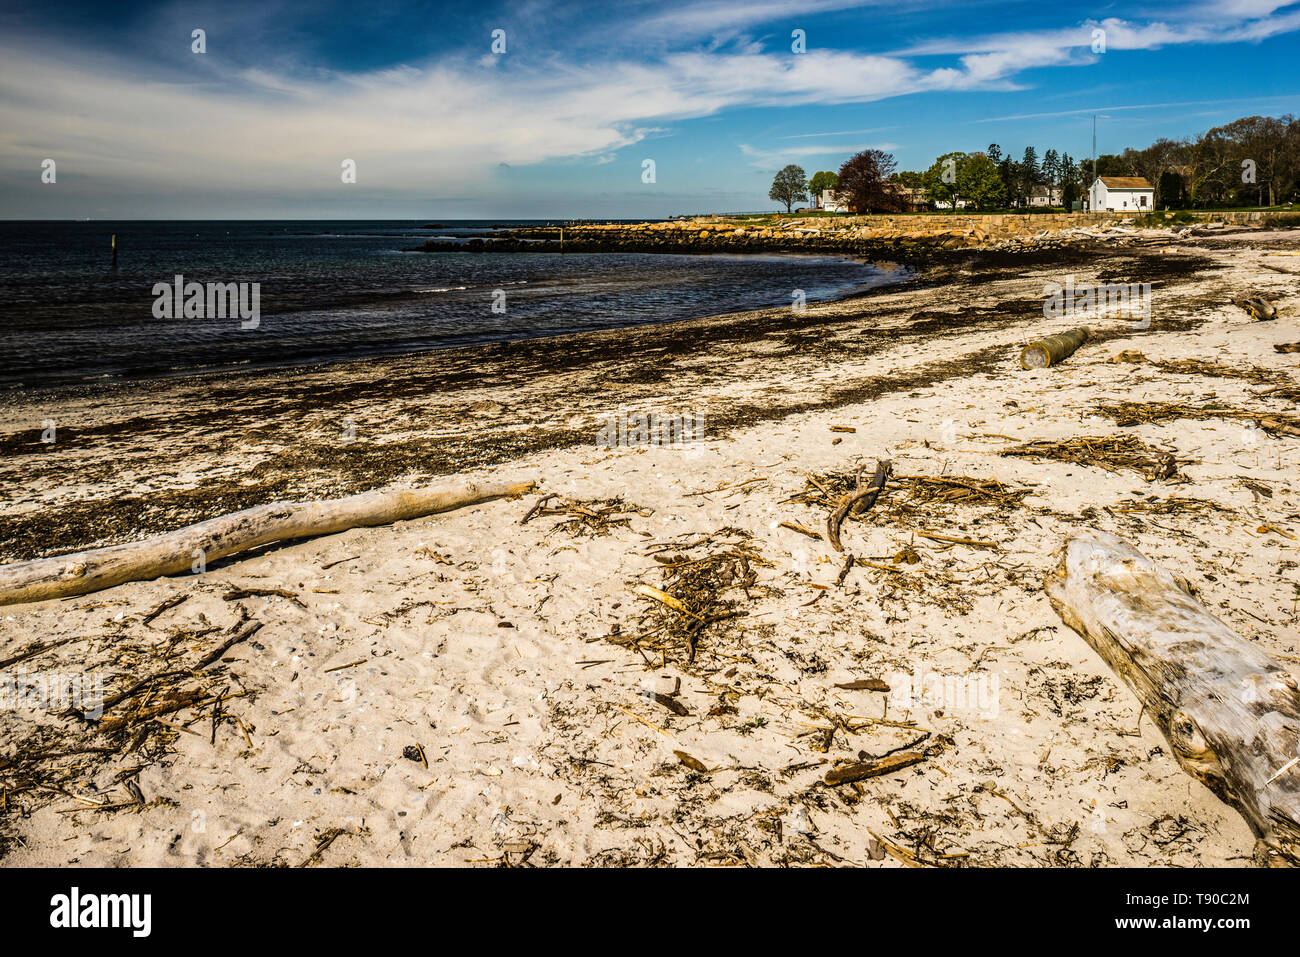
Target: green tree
[
  {"x": 1171, "y": 191},
  {"x": 1030, "y": 174},
  {"x": 978, "y": 182},
  {"x": 1052, "y": 168},
  {"x": 789, "y": 186},
  {"x": 822, "y": 181},
  {"x": 942, "y": 179}
]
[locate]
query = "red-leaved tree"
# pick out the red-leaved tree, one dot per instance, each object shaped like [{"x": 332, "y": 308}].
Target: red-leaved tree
[{"x": 864, "y": 178}]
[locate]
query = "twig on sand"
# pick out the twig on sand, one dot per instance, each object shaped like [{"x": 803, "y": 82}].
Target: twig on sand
[
  {"x": 857, "y": 501},
  {"x": 162, "y": 606}
]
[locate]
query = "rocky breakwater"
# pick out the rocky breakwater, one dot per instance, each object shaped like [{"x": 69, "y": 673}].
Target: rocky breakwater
[{"x": 903, "y": 237}]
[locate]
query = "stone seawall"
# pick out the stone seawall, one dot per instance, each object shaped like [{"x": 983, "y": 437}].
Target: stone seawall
[{"x": 904, "y": 235}]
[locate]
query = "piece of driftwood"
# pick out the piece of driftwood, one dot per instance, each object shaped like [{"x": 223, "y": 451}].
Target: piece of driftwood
[
  {"x": 1231, "y": 713},
  {"x": 1053, "y": 349},
  {"x": 857, "y": 502},
  {"x": 1260, "y": 309},
  {"x": 873, "y": 769},
  {"x": 177, "y": 551}
]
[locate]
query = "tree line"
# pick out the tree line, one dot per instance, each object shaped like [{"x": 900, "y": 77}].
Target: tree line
[{"x": 1253, "y": 161}]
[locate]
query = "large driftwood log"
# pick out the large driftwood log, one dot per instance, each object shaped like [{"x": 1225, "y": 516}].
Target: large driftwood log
[
  {"x": 1231, "y": 714},
  {"x": 173, "y": 552},
  {"x": 1053, "y": 349}
]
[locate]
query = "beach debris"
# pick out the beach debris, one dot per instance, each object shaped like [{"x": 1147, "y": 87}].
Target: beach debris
[
  {"x": 864, "y": 684},
  {"x": 1260, "y": 309},
  {"x": 667, "y": 701},
  {"x": 1053, "y": 349},
  {"x": 177, "y": 551},
  {"x": 857, "y": 502},
  {"x": 1230, "y": 712},
  {"x": 1128, "y": 355},
  {"x": 537, "y": 506},
  {"x": 1287, "y": 347},
  {"x": 586, "y": 518},
  {"x": 693, "y": 763},
  {"x": 1201, "y": 367},
  {"x": 796, "y": 527},
  {"x": 695, "y": 600},
  {"x": 1135, "y": 413},
  {"x": 649, "y": 591},
  {"x": 906, "y": 492},
  {"x": 236, "y": 593},
  {"x": 164, "y": 605},
  {"x": 861, "y": 770},
  {"x": 1110, "y": 452}
]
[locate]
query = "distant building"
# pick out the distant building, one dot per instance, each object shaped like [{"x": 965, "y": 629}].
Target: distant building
[
  {"x": 910, "y": 199},
  {"x": 1044, "y": 196},
  {"x": 913, "y": 199},
  {"x": 833, "y": 202},
  {"x": 1121, "y": 194}
]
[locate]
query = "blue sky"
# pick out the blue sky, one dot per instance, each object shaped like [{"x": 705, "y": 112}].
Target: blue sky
[{"x": 559, "y": 125}]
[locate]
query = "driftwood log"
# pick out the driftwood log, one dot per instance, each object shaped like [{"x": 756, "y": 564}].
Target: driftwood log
[
  {"x": 1230, "y": 712},
  {"x": 1053, "y": 349},
  {"x": 178, "y": 551}
]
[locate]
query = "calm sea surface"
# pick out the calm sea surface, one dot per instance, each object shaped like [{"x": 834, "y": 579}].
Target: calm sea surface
[{"x": 332, "y": 291}]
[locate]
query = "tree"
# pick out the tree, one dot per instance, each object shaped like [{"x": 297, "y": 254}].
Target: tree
[
  {"x": 789, "y": 187},
  {"x": 995, "y": 153},
  {"x": 821, "y": 182},
  {"x": 942, "y": 180},
  {"x": 978, "y": 182},
  {"x": 1029, "y": 176},
  {"x": 864, "y": 177},
  {"x": 1052, "y": 168},
  {"x": 1171, "y": 190}
]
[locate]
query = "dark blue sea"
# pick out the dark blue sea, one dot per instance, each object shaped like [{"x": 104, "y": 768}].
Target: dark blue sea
[{"x": 332, "y": 291}]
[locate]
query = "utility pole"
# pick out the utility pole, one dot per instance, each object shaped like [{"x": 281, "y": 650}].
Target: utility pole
[{"x": 1094, "y": 156}]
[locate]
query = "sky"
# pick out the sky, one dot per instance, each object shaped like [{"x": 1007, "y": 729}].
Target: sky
[{"x": 558, "y": 115}]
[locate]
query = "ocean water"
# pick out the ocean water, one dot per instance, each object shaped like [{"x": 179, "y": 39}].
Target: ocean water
[{"x": 331, "y": 291}]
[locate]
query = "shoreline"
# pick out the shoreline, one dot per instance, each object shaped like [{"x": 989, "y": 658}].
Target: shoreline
[{"x": 518, "y": 663}]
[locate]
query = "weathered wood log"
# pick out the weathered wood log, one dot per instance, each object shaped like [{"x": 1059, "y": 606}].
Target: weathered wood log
[
  {"x": 1231, "y": 713},
  {"x": 178, "y": 551},
  {"x": 1053, "y": 349}
]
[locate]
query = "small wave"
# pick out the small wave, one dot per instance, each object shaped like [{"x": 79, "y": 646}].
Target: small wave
[{"x": 441, "y": 289}]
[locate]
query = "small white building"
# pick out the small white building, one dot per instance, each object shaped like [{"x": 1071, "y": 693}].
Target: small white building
[
  {"x": 1044, "y": 196},
  {"x": 1125, "y": 194},
  {"x": 833, "y": 202}
]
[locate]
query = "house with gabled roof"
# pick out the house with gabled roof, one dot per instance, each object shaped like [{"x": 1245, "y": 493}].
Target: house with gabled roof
[{"x": 1121, "y": 194}]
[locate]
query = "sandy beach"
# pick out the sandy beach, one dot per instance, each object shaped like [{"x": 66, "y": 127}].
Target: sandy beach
[{"x": 473, "y": 688}]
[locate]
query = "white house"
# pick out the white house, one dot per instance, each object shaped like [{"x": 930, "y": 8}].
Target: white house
[
  {"x": 833, "y": 202},
  {"x": 1044, "y": 196},
  {"x": 1121, "y": 194}
]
